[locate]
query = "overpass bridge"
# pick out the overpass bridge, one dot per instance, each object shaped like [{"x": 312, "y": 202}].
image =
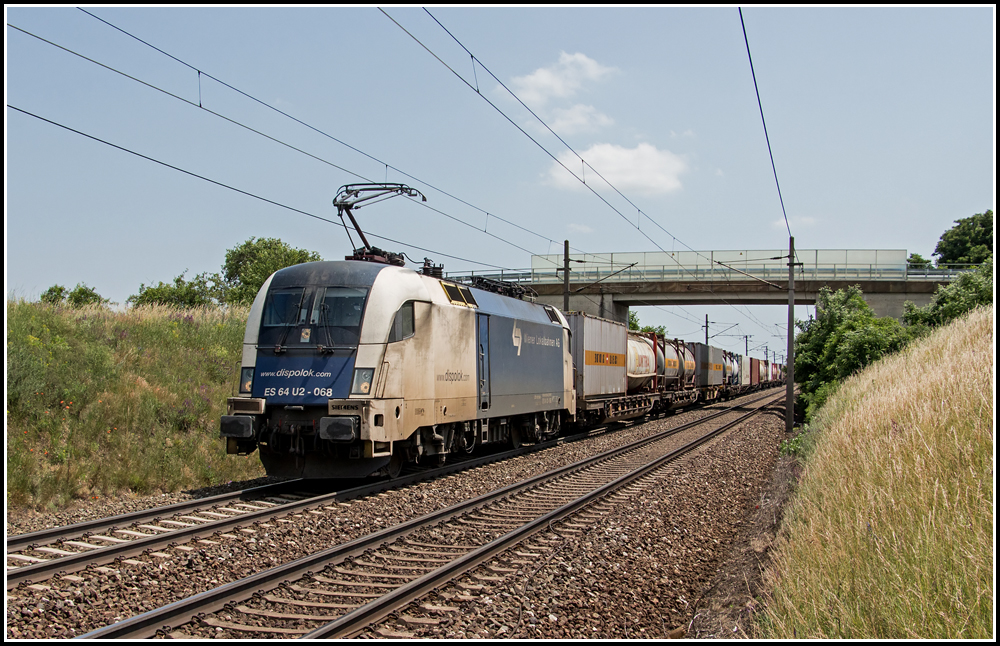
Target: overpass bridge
[{"x": 607, "y": 284}]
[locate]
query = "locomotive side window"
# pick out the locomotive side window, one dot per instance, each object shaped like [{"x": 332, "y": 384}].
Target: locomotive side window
[
  {"x": 402, "y": 323},
  {"x": 459, "y": 294},
  {"x": 284, "y": 307},
  {"x": 467, "y": 294}
]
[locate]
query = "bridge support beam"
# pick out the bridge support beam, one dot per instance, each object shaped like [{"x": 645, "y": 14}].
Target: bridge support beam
[
  {"x": 885, "y": 297},
  {"x": 602, "y": 305}
]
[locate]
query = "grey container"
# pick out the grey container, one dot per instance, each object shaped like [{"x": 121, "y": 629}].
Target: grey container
[
  {"x": 599, "y": 349},
  {"x": 709, "y": 363}
]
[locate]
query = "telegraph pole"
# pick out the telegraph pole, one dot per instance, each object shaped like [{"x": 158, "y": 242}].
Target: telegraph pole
[
  {"x": 566, "y": 276},
  {"x": 706, "y": 329},
  {"x": 790, "y": 355}
]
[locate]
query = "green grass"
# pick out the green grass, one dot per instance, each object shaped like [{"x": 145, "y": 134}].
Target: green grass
[
  {"x": 890, "y": 535},
  {"x": 102, "y": 402}
]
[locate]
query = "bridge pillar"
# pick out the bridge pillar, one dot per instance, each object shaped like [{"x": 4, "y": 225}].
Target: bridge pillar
[
  {"x": 892, "y": 304},
  {"x": 602, "y": 305}
]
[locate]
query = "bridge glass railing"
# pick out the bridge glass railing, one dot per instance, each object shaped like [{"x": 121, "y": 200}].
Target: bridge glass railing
[{"x": 770, "y": 265}]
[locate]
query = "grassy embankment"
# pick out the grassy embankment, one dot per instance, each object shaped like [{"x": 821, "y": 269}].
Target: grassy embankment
[
  {"x": 102, "y": 402},
  {"x": 891, "y": 531}
]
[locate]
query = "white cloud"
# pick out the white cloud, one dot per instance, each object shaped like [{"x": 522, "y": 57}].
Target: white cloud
[
  {"x": 644, "y": 169},
  {"x": 580, "y": 228},
  {"x": 579, "y": 118},
  {"x": 562, "y": 80}
]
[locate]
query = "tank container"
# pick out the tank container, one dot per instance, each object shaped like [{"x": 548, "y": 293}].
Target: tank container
[{"x": 641, "y": 362}]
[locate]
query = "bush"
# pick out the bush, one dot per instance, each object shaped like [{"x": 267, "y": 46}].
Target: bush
[
  {"x": 54, "y": 295},
  {"x": 844, "y": 337},
  {"x": 80, "y": 296},
  {"x": 202, "y": 290},
  {"x": 970, "y": 290}
]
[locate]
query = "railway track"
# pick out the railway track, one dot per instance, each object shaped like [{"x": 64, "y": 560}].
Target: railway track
[
  {"x": 349, "y": 587},
  {"x": 37, "y": 556}
]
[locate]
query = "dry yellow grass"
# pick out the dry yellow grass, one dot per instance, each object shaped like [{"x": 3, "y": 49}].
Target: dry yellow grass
[{"x": 891, "y": 532}]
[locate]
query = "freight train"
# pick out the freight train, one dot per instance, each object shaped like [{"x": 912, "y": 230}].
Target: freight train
[{"x": 355, "y": 368}]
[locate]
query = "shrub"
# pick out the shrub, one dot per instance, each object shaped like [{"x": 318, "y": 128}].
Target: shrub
[
  {"x": 202, "y": 290},
  {"x": 83, "y": 295},
  {"x": 969, "y": 291},
  {"x": 54, "y": 295}
]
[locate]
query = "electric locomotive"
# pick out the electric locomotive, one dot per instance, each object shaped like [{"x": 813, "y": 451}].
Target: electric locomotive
[{"x": 354, "y": 368}]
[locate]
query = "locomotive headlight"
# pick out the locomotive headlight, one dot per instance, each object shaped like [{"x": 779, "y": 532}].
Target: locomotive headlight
[
  {"x": 362, "y": 383},
  {"x": 246, "y": 380}
]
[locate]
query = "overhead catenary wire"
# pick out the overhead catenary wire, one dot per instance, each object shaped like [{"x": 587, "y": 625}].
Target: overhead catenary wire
[
  {"x": 333, "y": 138},
  {"x": 241, "y": 191},
  {"x": 260, "y": 133},
  {"x": 487, "y": 213},
  {"x": 349, "y": 146},
  {"x": 767, "y": 139},
  {"x": 584, "y": 164}
]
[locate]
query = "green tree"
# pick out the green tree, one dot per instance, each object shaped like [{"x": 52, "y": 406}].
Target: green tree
[
  {"x": 970, "y": 241},
  {"x": 633, "y": 320},
  {"x": 844, "y": 337},
  {"x": 203, "y": 289},
  {"x": 248, "y": 265},
  {"x": 79, "y": 296},
  {"x": 54, "y": 295},
  {"x": 916, "y": 261},
  {"x": 634, "y": 325},
  {"x": 970, "y": 290}
]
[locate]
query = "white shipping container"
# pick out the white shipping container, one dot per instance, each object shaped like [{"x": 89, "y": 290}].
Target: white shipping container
[{"x": 599, "y": 349}]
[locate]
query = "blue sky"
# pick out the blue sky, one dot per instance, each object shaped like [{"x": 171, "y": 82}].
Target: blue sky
[{"x": 881, "y": 121}]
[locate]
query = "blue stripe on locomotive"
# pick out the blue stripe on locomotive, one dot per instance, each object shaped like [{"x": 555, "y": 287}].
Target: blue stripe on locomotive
[
  {"x": 523, "y": 363},
  {"x": 303, "y": 380}
]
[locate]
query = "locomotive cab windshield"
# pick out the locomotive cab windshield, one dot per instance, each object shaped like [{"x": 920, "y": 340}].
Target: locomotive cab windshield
[{"x": 321, "y": 317}]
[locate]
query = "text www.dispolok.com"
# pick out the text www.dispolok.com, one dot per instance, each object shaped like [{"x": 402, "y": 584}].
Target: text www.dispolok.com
[{"x": 296, "y": 373}]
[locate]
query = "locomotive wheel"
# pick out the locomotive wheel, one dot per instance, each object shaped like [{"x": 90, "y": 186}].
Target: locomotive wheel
[
  {"x": 515, "y": 436},
  {"x": 396, "y": 463}
]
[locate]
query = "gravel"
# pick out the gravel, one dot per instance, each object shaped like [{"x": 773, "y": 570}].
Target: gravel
[{"x": 648, "y": 568}]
